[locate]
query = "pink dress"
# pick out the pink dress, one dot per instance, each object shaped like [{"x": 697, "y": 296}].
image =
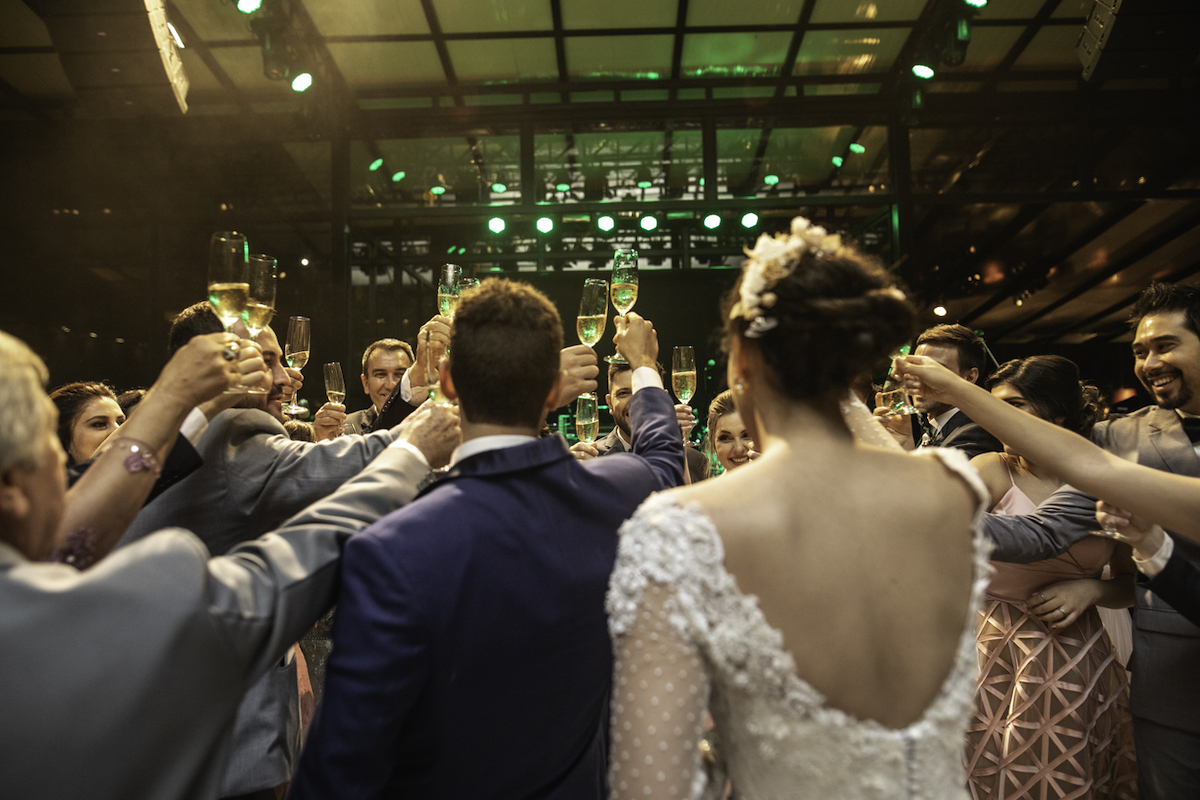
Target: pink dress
[{"x": 1052, "y": 708}]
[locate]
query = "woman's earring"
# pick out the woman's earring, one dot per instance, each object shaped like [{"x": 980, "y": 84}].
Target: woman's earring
[{"x": 739, "y": 387}]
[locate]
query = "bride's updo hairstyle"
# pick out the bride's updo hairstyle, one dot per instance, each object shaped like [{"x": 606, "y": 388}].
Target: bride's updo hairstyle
[{"x": 822, "y": 313}]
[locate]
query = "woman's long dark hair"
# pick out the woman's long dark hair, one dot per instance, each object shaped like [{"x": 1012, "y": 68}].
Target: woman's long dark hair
[{"x": 1051, "y": 385}]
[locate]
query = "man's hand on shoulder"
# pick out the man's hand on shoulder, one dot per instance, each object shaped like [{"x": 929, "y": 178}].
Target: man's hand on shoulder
[
  {"x": 434, "y": 430},
  {"x": 584, "y": 451},
  {"x": 636, "y": 340}
]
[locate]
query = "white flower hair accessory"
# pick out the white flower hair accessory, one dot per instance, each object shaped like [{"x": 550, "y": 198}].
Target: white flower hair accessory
[{"x": 772, "y": 260}]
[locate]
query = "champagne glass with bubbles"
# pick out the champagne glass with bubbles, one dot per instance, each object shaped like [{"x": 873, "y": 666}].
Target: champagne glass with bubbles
[
  {"x": 295, "y": 353},
  {"x": 228, "y": 283},
  {"x": 260, "y": 304},
  {"x": 624, "y": 287},
  {"x": 587, "y": 423},
  {"x": 449, "y": 288},
  {"x": 683, "y": 372},
  {"x": 335, "y": 385},
  {"x": 593, "y": 311}
]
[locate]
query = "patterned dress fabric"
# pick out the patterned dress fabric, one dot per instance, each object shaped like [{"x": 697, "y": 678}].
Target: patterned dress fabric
[
  {"x": 1052, "y": 708},
  {"x": 685, "y": 635}
]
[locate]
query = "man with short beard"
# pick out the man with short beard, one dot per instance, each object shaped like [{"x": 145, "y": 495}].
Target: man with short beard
[
  {"x": 1164, "y": 683},
  {"x": 253, "y": 479}
]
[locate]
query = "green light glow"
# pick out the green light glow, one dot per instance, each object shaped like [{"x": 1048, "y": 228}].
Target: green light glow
[
  {"x": 606, "y": 223},
  {"x": 712, "y": 221},
  {"x": 644, "y": 184},
  {"x": 301, "y": 82},
  {"x": 857, "y": 148},
  {"x": 976, "y": 3},
  {"x": 922, "y": 71},
  {"x": 837, "y": 161},
  {"x": 450, "y": 249},
  {"x": 499, "y": 188},
  {"x": 648, "y": 223},
  {"x": 462, "y": 250},
  {"x": 438, "y": 190},
  {"x": 496, "y": 225},
  {"x": 376, "y": 164},
  {"x": 749, "y": 219},
  {"x": 771, "y": 180},
  {"x": 562, "y": 187},
  {"x": 545, "y": 224},
  {"x": 397, "y": 176},
  {"x": 248, "y": 6}
]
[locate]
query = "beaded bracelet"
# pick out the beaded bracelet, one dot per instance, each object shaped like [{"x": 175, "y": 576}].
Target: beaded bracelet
[{"x": 141, "y": 457}]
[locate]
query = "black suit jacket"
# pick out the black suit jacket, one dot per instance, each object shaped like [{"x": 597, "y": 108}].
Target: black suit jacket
[
  {"x": 961, "y": 433},
  {"x": 1179, "y": 585}
]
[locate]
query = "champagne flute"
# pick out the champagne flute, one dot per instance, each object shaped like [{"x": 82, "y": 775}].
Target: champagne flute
[
  {"x": 260, "y": 305},
  {"x": 335, "y": 385},
  {"x": 894, "y": 396},
  {"x": 624, "y": 287},
  {"x": 593, "y": 311},
  {"x": 587, "y": 423},
  {"x": 448, "y": 290},
  {"x": 683, "y": 372},
  {"x": 228, "y": 283},
  {"x": 295, "y": 352}
]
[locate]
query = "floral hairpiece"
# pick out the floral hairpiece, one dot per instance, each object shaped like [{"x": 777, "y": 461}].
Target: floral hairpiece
[{"x": 772, "y": 260}]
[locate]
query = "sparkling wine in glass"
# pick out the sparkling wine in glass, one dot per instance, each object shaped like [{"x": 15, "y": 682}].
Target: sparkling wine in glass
[
  {"x": 683, "y": 372},
  {"x": 587, "y": 423},
  {"x": 228, "y": 285},
  {"x": 260, "y": 306},
  {"x": 295, "y": 353},
  {"x": 335, "y": 385},
  {"x": 448, "y": 289},
  {"x": 593, "y": 311},
  {"x": 894, "y": 396},
  {"x": 624, "y": 288}
]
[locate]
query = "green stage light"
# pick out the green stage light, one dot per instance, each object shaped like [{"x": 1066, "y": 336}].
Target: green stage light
[
  {"x": 462, "y": 250},
  {"x": 771, "y": 180},
  {"x": 496, "y": 225},
  {"x": 606, "y": 223},
  {"x": 648, "y": 222},
  {"x": 924, "y": 71},
  {"x": 302, "y": 82},
  {"x": 712, "y": 221},
  {"x": 644, "y": 184},
  {"x": 857, "y": 148},
  {"x": 749, "y": 219},
  {"x": 499, "y": 188},
  {"x": 976, "y": 3},
  {"x": 450, "y": 249},
  {"x": 376, "y": 164},
  {"x": 248, "y": 6},
  {"x": 562, "y": 187},
  {"x": 545, "y": 224},
  {"x": 397, "y": 176},
  {"x": 437, "y": 190},
  {"x": 837, "y": 161}
]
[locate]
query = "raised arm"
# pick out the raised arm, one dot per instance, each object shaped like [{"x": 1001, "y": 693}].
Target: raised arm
[
  {"x": 1173, "y": 501},
  {"x": 652, "y": 420}
]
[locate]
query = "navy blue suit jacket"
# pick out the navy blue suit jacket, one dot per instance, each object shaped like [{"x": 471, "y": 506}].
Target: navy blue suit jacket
[{"x": 471, "y": 654}]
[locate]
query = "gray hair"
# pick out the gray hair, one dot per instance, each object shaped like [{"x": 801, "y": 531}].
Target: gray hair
[{"x": 23, "y": 405}]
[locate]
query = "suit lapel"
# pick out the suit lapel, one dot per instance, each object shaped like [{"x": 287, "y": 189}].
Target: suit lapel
[
  {"x": 1166, "y": 443},
  {"x": 507, "y": 460}
]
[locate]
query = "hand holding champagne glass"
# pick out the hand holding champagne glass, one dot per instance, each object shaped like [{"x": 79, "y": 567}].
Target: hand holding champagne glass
[
  {"x": 295, "y": 352},
  {"x": 587, "y": 423},
  {"x": 335, "y": 385},
  {"x": 449, "y": 288},
  {"x": 624, "y": 287},
  {"x": 593, "y": 311}
]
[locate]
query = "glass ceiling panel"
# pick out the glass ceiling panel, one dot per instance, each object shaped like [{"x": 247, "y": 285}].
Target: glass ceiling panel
[
  {"x": 36, "y": 75},
  {"x": 21, "y": 27},
  {"x": 1052, "y": 48},
  {"x": 412, "y": 167},
  {"x": 1011, "y": 9},
  {"x": 849, "y": 52},
  {"x": 619, "y": 56},
  {"x": 493, "y": 16},
  {"x": 800, "y": 160},
  {"x": 993, "y": 159},
  {"x": 880, "y": 10},
  {"x": 719, "y": 12},
  {"x": 214, "y": 21},
  {"x": 244, "y": 65},
  {"x": 1073, "y": 8},
  {"x": 356, "y": 19},
  {"x": 387, "y": 63},
  {"x": 987, "y": 49},
  {"x": 734, "y": 54},
  {"x": 579, "y": 14},
  {"x": 200, "y": 77},
  {"x": 610, "y": 166},
  {"x": 503, "y": 59}
]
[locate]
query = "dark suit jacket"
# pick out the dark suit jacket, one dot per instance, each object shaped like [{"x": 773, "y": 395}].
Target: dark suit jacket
[
  {"x": 961, "y": 433},
  {"x": 1166, "y": 646},
  {"x": 1179, "y": 585},
  {"x": 471, "y": 653}
]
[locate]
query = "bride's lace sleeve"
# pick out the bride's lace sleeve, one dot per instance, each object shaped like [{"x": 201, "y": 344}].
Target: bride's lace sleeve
[
  {"x": 660, "y": 684},
  {"x": 865, "y": 426}
]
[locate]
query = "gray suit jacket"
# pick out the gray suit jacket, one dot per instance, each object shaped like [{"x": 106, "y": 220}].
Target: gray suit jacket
[
  {"x": 122, "y": 681},
  {"x": 696, "y": 461},
  {"x": 1166, "y": 646},
  {"x": 255, "y": 477}
]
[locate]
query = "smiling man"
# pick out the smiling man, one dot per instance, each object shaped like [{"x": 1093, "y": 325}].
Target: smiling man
[{"x": 383, "y": 366}]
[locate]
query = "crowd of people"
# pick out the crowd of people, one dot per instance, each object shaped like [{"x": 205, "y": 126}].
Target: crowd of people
[{"x": 437, "y": 597}]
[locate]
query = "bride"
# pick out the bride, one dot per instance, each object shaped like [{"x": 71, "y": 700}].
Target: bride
[{"x": 821, "y": 600}]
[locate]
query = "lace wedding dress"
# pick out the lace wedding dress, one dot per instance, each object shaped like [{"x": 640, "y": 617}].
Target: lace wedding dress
[{"x": 685, "y": 638}]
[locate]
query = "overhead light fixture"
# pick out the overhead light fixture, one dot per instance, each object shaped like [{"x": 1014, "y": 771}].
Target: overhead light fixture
[
  {"x": 644, "y": 178},
  {"x": 976, "y": 3},
  {"x": 925, "y": 65},
  {"x": 496, "y": 225},
  {"x": 376, "y": 164},
  {"x": 857, "y": 148},
  {"x": 749, "y": 219},
  {"x": 545, "y": 224},
  {"x": 712, "y": 221},
  {"x": 397, "y": 176},
  {"x": 771, "y": 180},
  {"x": 302, "y": 81},
  {"x": 248, "y": 6},
  {"x": 648, "y": 222},
  {"x": 837, "y": 161},
  {"x": 940, "y": 311},
  {"x": 304, "y": 262},
  {"x": 498, "y": 187},
  {"x": 175, "y": 36},
  {"x": 605, "y": 223},
  {"x": 437, "y": 189},
  {"x": 562, "y": 181}
]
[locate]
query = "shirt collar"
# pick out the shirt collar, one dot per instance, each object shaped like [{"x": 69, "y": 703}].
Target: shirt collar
[
  {"x": 940, "y": 420},
  {"x": 484, "y": 443}
]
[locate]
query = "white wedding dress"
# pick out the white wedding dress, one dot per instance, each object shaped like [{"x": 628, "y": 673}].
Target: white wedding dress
[{"x": 685, "y": 638}]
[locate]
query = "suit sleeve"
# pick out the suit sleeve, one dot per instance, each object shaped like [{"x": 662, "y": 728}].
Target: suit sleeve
[
  {"x": 1179, "y": 585},
  {"x": 656, "y": 436},
  {"x": 974, "y": 440},
  {"x": 1066, "y": 517},
  {"x": 379, "y": 665}
]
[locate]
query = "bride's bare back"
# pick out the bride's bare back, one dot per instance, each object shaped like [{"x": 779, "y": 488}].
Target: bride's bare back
[{"x": 863, "y": 559}]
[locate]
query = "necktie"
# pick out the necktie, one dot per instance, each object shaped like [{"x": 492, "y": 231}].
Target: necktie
[
  {"x": 1191, "y": 426},
  {"x": 932, "y": 435}
]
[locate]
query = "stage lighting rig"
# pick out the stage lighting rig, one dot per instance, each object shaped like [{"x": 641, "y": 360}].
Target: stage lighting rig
[{"x": 286, "y": 53}]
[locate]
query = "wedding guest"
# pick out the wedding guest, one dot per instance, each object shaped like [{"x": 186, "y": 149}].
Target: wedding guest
[
  {"x": 123, "y": 680},
  {"x": 383, "y": 366},
  {"x": 1052, "y": 701},
  {"x": 711, "y": 600},
  {"x": 470, "y": 655},
  {"x": 129, "y": 399},
  {"x": 88, "y": 413},
  {"x": 727, "y": 444}
]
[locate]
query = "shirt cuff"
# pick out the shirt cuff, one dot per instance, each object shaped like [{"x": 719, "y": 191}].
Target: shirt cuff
[
  {"x": 404, "y": 444},
  {"x": 194, "y": 426},
  {"x": 646, "y": 378},
  {"x": 1155, "y": 563},
  {"x": 406, "y": 389}
]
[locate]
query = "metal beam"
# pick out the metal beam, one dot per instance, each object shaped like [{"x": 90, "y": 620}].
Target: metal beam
[
  {"x": 681, "y": 12},
  {"x": 560, "y": 47},
  {"x": 1181, "y": 274},
  {"x": 190, "y": 37},
  {"x": 439, "y": 43},
  {"x": 789, "y": 59},
  {"x": 1027, "y": 36}
]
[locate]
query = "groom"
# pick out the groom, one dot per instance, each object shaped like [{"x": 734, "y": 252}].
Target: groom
[{"x": 471, "y": 653}]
